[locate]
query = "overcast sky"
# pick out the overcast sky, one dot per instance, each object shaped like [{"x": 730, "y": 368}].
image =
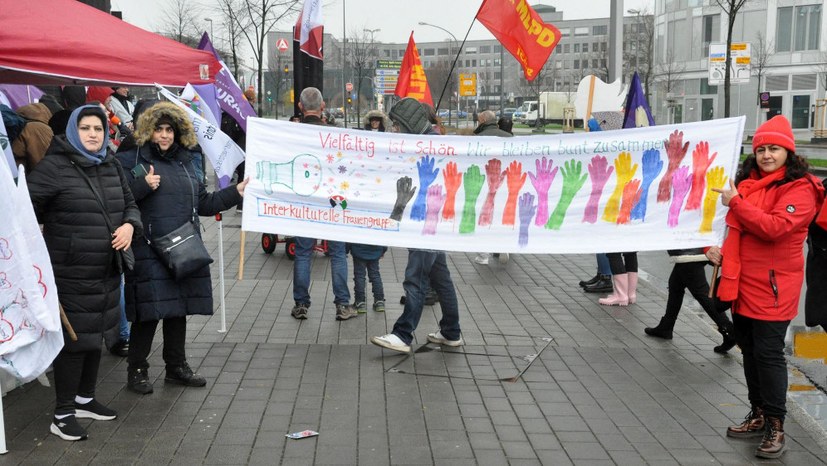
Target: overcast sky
[{"x": 395, "y": 18}]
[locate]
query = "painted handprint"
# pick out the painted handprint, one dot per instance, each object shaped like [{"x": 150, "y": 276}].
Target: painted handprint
[
  {"x": 681, "y": 182},
  {"x": 624, "y": 171},
  {"x": 404, "y": 192},
  {"x": 427, "y": 175},
  {"x": 631, "y": 196},
  {"x": 700, "y": 163},
  {"x": 675, "y": 152},
  {"x": 5, "y": 250},
  {"x": 5, "y": 284},
  {"x": 495, "y": 180},
  {"x": 715, "y": 179},
  {"x": 541, "y": 179},
  {"x": 599, "y": 173},
  {"x": 473, "y": 181},
  {"x": 515, "y": 179},
  {"x": 527, "y": 211},
  {"x": 453, "y": 179},
  {"x": 572, "y": 182},
  {"x": 434, "y": 202},
  {"x": 652, "y": 165}
]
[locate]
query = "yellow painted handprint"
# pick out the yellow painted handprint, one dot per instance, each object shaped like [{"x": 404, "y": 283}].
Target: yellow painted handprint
[
  {"x": 624, "y": 171},
  {"x": 714, "y": 179}
]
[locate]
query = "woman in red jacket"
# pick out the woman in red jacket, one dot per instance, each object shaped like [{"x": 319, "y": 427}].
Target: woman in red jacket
[{"x": 771, "y": 204}]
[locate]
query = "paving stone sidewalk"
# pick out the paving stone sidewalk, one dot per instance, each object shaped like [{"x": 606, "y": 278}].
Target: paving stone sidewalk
[{"x": 547, "y": 376}]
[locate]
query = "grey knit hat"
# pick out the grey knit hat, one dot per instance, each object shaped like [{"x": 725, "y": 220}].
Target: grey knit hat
[{"x": 410, "y": 116}]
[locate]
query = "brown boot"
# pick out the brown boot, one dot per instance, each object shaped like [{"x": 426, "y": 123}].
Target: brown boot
[
  {"x": 753, "y": 425},
  {"x": 773, "y": 444}
]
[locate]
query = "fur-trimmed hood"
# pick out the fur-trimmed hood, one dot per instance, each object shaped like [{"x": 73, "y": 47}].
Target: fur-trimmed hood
[
  {"x": 184, "y": 131},
  {"x": 386, "y": 122}
]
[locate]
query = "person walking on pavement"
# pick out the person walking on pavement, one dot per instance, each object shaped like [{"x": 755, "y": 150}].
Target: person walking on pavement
[
  {"x": 771, "y": 204},
  {"x": 162, "y": 174},
  {"x": 79, "y": 226},
  {"x": 689, "y": 273},
  {"x": 311, "y": 104},
  {"x": 409, "y": 116},
  {"x": 487, "y": 126}
]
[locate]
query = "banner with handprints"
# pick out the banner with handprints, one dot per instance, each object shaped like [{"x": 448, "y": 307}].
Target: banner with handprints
[{"x": 630, "y": 190}]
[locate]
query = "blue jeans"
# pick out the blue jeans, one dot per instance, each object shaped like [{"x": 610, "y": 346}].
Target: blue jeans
[
  {"x": 603, "y": 264},
  {"x": 360, "y": 267},
  {"x": 338, "y": 271},
  {"x": 422, "y": 267},
  {"x": 124, "y": 325}
]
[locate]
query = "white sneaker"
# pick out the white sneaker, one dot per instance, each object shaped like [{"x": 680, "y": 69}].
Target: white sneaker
[
  {"x": 482, "y": 258},
  {"x": 503, "y": 258},
  {"x": 391, "y": 342},
  {"x": 437, "y": 338}
]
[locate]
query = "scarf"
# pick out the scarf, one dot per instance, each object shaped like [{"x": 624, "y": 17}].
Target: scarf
[
  {"x": 752, "y": 190},
  {"x": 73, "y": 136}
]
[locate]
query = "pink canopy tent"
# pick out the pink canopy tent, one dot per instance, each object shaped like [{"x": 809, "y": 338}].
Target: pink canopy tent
[{"x": 67, "y": 42}]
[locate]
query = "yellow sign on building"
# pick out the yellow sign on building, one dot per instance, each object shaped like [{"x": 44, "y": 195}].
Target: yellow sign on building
[{"x": 468, "y": 84}]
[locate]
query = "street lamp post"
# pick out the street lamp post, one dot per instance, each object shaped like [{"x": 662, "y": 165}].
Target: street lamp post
[
  {"x": 450, "y": 83},
  {"x": 211, "y": 30}
]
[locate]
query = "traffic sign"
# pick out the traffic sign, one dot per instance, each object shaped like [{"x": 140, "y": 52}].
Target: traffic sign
[
  {"x": 348, "y": 87},
  {"x": 282, "y": 45},
  {"x": 468, "y": 84},
  {"x": 739, "y": 70}
]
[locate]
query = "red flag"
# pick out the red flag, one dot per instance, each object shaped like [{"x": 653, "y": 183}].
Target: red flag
[
  {"x": 310, "y": 29},
  {"x": 412, "y": 81},
  {"x": 521, "y": 31}
]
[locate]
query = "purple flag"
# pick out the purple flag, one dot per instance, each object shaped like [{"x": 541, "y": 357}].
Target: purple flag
[
  {"x": 637, "y": 111},
  {"x": 20, "y": 94},
  {"x": 229, "y": 95},
  {"x": 208, "y": 94}
]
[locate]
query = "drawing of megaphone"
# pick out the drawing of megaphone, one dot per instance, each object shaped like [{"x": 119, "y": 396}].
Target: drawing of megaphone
[{"x": 302, "y": 175}]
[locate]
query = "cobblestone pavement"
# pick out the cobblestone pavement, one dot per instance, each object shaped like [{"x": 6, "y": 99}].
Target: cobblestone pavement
[{"x": 547, "y": 376}]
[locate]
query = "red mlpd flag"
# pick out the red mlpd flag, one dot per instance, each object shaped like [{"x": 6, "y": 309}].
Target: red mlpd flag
[
  {"x": 412, "y": 81},
  {"x": 521, "y": 31}
]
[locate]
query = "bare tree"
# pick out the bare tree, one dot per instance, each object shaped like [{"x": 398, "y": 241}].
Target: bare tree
[
  {"x": 362, "y": 54},
  {"x": 761, "y": 53},
  {"x": 643, "y": 36},
  {"x": 255, "y": 20},
  {"x": 731, "y": 8},
  {"x": 230, "y": 10},
  {"x": 181, "y": 22},
  {"x": 669, "y": 72}
]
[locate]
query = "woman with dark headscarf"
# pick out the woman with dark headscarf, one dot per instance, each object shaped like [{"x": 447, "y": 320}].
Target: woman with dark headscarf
[
  {"x": 163, "y": 174},
  {"x": 88, "y": 213}
]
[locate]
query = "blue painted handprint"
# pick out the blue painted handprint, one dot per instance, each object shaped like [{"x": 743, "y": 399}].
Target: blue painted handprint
[
  {"x": 427, "y": 175},
  {"x": 652, "y": 166}
]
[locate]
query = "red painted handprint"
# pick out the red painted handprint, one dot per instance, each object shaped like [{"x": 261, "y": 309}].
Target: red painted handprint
[
  {"x": 453, "y": 179},
  {"x": 515, "y": 179},
  {"x": 495, "y": 178},
  {"x": 631, "y": 195},
  {"x": 675, "y": 152},
  {"x": 700, "y": 164}
]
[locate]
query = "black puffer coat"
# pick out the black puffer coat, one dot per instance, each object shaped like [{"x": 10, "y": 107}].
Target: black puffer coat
[
  {"x": 78, "y": 239},
  {"x": 151, "y": 291},
  {"x": 815, "y": 301}
]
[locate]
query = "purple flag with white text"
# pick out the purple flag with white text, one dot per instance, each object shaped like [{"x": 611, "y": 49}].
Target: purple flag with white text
[{"x": 227, "y": 92}]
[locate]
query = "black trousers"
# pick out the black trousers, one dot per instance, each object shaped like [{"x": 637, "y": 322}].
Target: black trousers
[
  {"x": 75, "y": 373},
  {"x": 622, "y": 262},
  {"x": 690, "y": 276},
  {"x": 140, "y": 342},
  {"x": 765, "y": 368}
]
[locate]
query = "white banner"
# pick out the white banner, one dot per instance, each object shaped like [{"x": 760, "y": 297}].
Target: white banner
[
  {"x": 631, "y": 190},
  {"x": 224, "y": 154}
]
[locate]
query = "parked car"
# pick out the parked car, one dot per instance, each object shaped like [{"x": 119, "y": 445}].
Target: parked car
[
  {"x": 338, "y": 112},
  {"x": 507, "y": 113},
  {"x": 454, "y": 114}
]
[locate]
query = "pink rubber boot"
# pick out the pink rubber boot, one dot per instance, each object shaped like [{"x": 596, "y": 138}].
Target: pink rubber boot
[
  {"x": 632, "y": 290},
  {"x": 619, "y": 296}
]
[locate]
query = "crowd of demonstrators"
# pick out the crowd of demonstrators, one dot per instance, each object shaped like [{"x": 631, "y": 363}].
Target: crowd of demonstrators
[
  {"x": 311, "y": 104},
  {"x": 425, "y": 268},
  {"x": 79, "y": 191},
  {"x": 162, "y": 172},
  {"x": 772, "y": 203}
]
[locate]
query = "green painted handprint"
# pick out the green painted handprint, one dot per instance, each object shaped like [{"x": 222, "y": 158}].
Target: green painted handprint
[
  {"x": 472, "y": 183},
  {"x": 572, "y": 182}
]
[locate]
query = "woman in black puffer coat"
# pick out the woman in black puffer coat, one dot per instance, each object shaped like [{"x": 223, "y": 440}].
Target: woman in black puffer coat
[
  {"x": 83, "y": 250},
  {"x": 163, "y": 176}
]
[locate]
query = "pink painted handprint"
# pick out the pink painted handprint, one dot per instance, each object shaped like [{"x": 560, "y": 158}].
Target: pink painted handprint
[
  {"x": 681, "y": 182},
  {"x": 599, "y": 173},
  {"x": 542, "y": 179},
  {"x": 700, "y": 164},
  {"x": 675, "y": 152},
  {"x": 433, "y": 204}
]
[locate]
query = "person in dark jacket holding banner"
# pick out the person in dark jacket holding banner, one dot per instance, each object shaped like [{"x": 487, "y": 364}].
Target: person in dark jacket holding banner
[
  {"x": 163, "y": 176},
  {"x": 89, "y": 217},
  {"x": 815, "y": 301}
]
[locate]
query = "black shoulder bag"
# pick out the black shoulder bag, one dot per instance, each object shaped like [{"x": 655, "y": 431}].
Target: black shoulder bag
[
  {"x": 126, "y": 258},
  {"x": 182, "y": 250}
]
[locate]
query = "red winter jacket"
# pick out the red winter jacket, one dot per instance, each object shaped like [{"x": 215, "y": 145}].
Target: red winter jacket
[{"x": 772, "y": 244}]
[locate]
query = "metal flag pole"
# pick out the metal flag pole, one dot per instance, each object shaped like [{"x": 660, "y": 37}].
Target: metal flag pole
[{"x": 218, "y": 218}]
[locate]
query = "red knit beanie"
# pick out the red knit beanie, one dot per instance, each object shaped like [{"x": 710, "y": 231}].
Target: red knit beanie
[
  {"x": 98, "y": 93},
  {"x": 775, "y": 131}
]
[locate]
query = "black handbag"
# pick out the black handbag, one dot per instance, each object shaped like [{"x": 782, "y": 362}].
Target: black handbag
[
  {"x": 125, "y": 257},
  {"x": 182, "y": 250}
]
